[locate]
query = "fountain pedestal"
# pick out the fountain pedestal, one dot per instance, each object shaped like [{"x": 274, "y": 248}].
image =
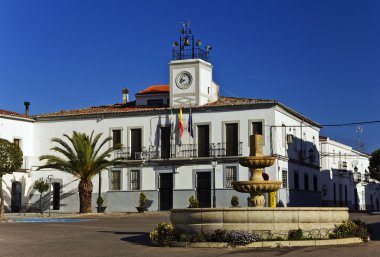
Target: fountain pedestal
[{"x": 256, "y": 186}]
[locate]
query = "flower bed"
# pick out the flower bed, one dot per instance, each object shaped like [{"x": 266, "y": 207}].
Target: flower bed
[{"x": 166, "y": 234}]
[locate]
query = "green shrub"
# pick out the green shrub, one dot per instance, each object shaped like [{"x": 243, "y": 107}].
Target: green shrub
[
  {"x": 350, "y": 228},
  {"x": 100, "y": 201},
  {"x": 163, "y": 234},
  {"x": 142, "y": 200},
  {"x": 235, "y": 201},
  {"x": 193, "y": 202},
  {"x": 184, "y": 238},
  {"x": 295, "y": 234}
]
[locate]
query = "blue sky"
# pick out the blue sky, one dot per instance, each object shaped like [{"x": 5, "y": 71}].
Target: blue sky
[{"x": 321, "y": 58}]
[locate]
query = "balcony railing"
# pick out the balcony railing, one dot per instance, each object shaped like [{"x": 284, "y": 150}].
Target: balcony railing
[
  {"x": 196, "y": 53},
  {"x": 358, "y": 177},
  {"x": 183, "y": 151}
]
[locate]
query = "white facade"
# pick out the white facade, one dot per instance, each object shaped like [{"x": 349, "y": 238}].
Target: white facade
[
  {"x": 170, "y": 168},
  {"x": 345, "y": 177}
]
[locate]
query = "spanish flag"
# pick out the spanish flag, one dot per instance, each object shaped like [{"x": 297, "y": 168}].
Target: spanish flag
[{"x": 180, "y": 124}]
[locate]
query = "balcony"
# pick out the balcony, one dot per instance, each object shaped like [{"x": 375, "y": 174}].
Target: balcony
[{"x": 183, "y": 151}]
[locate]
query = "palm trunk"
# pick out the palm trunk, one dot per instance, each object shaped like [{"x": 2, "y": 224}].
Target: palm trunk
[
  {"x": 1, "y": 198},
  {"x": 41, "y": 203},
  {"x": 85, "y": 195}
]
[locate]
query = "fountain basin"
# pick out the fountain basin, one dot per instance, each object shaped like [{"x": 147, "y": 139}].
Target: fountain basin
[
  {"x": 256, "y": 186},
  {"x": 256, "y": 162},
  {"x": 262, "y": 221}
]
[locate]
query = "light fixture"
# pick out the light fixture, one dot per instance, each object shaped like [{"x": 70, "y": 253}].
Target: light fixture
[
  {"x": 186, "y": 41},
  {"x": 175, "y": 44},
  {"x": 355, "y": 169},
  {"x": 199, "y": 42}
]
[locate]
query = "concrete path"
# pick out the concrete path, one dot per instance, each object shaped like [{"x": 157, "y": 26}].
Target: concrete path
[{"x": 127, "y": 235}]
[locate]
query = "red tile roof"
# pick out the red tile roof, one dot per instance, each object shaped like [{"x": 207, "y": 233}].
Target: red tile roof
[
  {"x": 223, "y": 104},
  {"x": 155, "y": 89},
  {"x": 13, "y": 114}
]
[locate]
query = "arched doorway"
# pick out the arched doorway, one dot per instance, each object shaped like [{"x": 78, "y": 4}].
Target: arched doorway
[{"x": 16, "y": 196}]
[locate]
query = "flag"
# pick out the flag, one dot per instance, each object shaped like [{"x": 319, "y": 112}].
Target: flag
[
  {"x": 190, "y": 123},
  {"x": 180, "y": 124}
]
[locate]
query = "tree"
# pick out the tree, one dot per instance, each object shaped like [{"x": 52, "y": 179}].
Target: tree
[
  {"x": 374, "y": 165},
  {"x": 11, "y": 159},
  {"x": 82, "y": 158},
  {"x": 41, "y": 186}
]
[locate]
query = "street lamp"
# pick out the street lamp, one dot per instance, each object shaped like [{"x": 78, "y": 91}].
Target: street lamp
[
  {"x": 50, "y": 178},
  {"x": 214, "y": 163}
]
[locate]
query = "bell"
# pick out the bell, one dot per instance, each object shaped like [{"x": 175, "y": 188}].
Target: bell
[
  {"x": 198, "y": 42},
  {"x": 175, "y": 44},
  {"x": 187, "y": 42}
]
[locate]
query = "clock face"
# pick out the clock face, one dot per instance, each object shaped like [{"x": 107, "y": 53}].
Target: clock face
[{"x": 183, "y": 80}]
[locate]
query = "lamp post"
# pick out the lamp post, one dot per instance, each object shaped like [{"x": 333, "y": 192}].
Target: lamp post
[
  {"x": 50, "y": 178},
  {"x": 214, "y": 163}
]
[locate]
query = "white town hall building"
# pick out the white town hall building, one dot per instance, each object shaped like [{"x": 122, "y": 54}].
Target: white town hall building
[{"x": 168, "y": 167}]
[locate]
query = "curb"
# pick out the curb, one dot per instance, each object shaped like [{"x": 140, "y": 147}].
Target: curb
[{"x": 271, "y": 244}]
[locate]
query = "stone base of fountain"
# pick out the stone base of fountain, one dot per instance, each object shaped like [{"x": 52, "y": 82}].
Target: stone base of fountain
[{"x": 262, "y": 221}]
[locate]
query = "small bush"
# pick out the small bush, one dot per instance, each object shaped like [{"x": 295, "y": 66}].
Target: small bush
[
  {"x": 235, "y": 201},
  {"x": 193, "y": 202},
  {"x": 351, "y": 228},
  {"x": 163, "y": 233},
  {"x": 142, "y": 200},
  {"x": 202, "y": 237},
  {"x": 295, "y": 234},
  {"x": 100, "y": 201},
  {"x": 184, "y": 238}
]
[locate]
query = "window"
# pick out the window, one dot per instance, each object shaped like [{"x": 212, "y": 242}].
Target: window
[
  {"x": 284, "y": 179},
  {"x": 231, "y": 176},
  {"x": 296, "y": 181},
  {"x": 232, "y": 138},
  {"x": 257, "y": 128},
  {"x": 155, "y": 102},
  {"x": 306, "y": 181},
  {"x": 334, "y": 194},
  {"x": 116, "y": 137},
  {"x": 283, "y": 131},
  {"x": 295, "y": 143},
  {"x": 304, "y": 145},
  {"x": 136, "y": 143},
  {"x": 333, "y": 156},
  {"x": 345, "y": 194},
  {"x": 135, "y": 179},
  {"x": 17, "y": 141},
  {"x": 315, "y": 183},
  {"x": 115, "y": 180}
]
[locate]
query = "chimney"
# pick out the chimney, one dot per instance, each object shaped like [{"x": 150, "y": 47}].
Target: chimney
[
  {"x": 125, "y": 95},
  {"x": 27, "y": 108}
]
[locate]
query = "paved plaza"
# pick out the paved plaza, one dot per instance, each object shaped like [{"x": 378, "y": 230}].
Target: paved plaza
[{"x": 127, "y": 235}]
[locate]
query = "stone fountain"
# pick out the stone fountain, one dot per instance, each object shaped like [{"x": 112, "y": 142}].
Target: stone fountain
[
  {"x": 258, "y": 219},
  {"x": 256, "y": 186}
]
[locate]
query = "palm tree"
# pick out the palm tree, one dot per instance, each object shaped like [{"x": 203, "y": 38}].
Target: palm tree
[{"x": 82, "y": 158}]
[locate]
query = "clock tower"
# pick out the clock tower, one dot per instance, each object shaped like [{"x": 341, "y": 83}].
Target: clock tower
[{"x": 191, "y": 72}]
